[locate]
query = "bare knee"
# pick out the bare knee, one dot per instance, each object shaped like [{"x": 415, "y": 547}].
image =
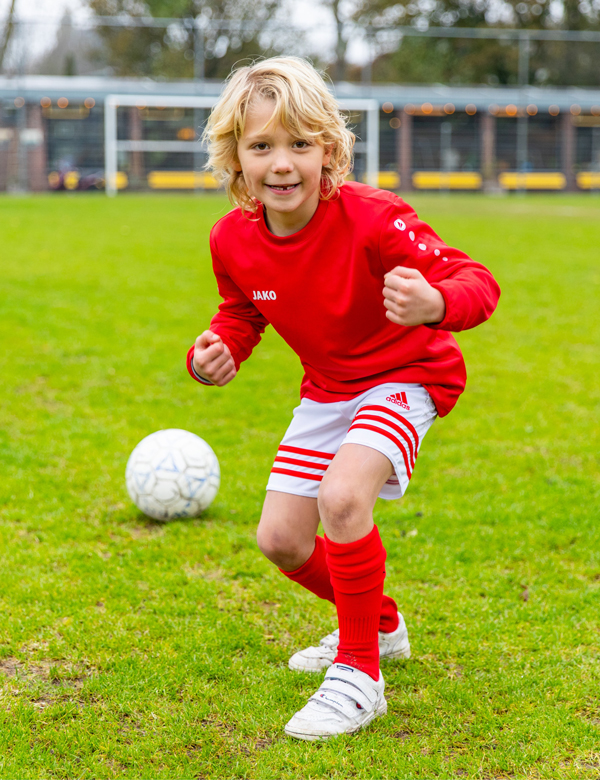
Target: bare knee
[
  {"x": 342, "y": 507},
  {"x": 282, "y": 549},
  {"x": 287, "y": 529}
]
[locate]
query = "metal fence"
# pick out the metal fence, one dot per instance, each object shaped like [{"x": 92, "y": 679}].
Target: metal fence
[
  {"x": 53, "y": 129},
  {"x": 53, "y": 135}
]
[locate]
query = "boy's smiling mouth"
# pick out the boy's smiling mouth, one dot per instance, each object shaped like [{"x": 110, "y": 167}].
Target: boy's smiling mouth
[{"x": 283, "y": 188}]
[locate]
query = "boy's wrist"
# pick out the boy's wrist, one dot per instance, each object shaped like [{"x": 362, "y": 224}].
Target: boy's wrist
[
  {"x": 443, "y": 310},
  {"x": 197, "y": 376},
  {"x": 438, "y": 307}
]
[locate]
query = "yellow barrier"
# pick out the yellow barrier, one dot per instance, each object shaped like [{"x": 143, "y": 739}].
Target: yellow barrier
[
  {"x": 442, "y": 180},
  {"x": 121, "y": 181},
  {"x": 182, "y": 180},
  {"x": 388, "y": 180},
  {"x": 532, "y": 181},
  {"x": 587, "y": 180},
  {"x": 71, "y": 180}
]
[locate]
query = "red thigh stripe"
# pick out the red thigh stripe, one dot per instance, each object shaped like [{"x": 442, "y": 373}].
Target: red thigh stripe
[
  {"x": 302, "y": 451},
  {"x": 362, "y": 416},
  {"x": 308, "y": 464},
  {"x": 392, "y": 413},
  {"x": 391, "y": 437},
  {"x": 299, "y": 474}
]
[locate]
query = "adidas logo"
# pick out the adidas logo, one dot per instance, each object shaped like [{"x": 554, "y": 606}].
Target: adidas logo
[{"x": 400, "y": 399}]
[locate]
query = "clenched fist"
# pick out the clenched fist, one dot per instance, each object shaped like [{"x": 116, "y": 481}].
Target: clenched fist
[
  {"x": 212, "y": 359},
  {"x": 410, "y": 300}
]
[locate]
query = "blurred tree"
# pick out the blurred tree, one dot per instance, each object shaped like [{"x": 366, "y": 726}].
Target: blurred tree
[
  {"x": 340, "y": 19},
  {"x": 8, "y": 31},
  {"x": 451, "y": 60},
  {"x": 75, "y": 52},
  {"x": 171, "y": 52}
]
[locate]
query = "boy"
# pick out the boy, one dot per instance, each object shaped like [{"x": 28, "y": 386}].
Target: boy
[{"x": 365, "y": 294}]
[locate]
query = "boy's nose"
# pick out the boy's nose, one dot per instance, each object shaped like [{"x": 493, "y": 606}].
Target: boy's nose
[{"x": 282, "y": 164}]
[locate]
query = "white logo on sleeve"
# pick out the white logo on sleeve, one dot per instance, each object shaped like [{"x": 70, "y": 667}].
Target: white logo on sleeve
[
  {"x": 264, "y": 295},
  {"x": 399, "y": 224}
]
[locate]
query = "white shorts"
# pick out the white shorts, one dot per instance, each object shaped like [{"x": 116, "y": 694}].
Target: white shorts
[{"x": 392, "y": 419}]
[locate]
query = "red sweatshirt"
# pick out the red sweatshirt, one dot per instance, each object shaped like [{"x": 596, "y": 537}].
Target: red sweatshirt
[{"x": 321, "y": 289}]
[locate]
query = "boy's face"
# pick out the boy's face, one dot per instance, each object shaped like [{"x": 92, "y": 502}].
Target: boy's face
[{"x": 280, "y": 170}]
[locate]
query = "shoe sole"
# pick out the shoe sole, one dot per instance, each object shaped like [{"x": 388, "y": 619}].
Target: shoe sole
[{"x": 379, "y": 712}]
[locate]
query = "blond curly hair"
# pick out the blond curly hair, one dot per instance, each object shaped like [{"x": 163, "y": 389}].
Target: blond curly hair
[{"x": 303, "y": 105}]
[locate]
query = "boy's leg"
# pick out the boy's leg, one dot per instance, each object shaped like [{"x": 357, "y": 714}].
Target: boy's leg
[
  {"x": 355, "y": 553},
  {"x": 287, "y": 536},
  {"x": 287, "y": 529},
  {"x": 352, "y": 693}
]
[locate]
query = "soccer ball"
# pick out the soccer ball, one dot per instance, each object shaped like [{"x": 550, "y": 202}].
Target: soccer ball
[{"x": 172, "y": 473}]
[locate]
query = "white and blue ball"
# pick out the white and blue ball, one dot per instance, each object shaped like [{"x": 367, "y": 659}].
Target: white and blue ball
[{"x": 171, "y": 474}]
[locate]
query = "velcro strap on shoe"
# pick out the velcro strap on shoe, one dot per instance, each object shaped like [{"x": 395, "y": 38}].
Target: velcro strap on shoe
[
  {"x": 354, "y": 678},
  {"x": 337, "y": 703},
  {"x": 347, "y": 689}
]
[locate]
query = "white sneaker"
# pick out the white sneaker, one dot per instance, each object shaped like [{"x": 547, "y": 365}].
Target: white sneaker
[
  {"x": 315, "y": 659},
  {"x": 347, "y": 701}
]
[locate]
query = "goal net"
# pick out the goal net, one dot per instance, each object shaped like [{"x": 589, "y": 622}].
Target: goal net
[{"x": 153, "y": 142}]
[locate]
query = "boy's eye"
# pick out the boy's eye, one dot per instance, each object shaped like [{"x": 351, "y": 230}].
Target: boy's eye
[
  {"x": 261, "y": 146},
  {"x": 301, "y": 144}
]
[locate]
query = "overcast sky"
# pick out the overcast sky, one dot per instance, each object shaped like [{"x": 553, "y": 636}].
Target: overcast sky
[
  {"x": 37, "y": 8},
  {"x": 41, "y": 37}
]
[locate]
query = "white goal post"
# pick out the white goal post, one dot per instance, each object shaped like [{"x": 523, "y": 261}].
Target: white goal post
[{"x": 112, "y": 144}]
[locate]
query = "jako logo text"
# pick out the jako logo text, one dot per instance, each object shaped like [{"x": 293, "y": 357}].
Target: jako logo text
[{"x": 264, "y": 295}]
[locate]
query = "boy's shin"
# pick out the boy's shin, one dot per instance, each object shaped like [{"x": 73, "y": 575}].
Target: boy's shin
[{"x": 357, "y": 571}]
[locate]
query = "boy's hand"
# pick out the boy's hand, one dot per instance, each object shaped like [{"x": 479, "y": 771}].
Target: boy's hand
[
  {"x": 410, "y": 300},
  {"x": 212, "y": 359}
]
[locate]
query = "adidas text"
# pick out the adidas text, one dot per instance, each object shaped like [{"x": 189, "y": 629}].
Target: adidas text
[
  {"x": 400, "y": 399},
  {"x": 264, "y": 295}
]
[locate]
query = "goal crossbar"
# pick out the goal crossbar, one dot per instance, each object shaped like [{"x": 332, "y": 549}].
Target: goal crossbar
[{"x": 112, "y": 145}]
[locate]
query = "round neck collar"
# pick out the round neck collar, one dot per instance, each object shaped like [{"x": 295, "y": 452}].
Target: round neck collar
[{"x": 301, "y": 235}]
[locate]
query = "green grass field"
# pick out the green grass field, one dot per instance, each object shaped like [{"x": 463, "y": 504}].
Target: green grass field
[{"x": 132, "y": 649}]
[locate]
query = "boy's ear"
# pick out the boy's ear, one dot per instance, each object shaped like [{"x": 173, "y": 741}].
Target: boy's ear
[
  {"x": 236, "y": 166},
  {"x": 328, "y": 151}
]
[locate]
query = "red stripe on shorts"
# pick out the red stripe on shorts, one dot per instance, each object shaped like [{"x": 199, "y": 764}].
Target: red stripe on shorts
[
  {"x": 403, "y": 420},
  {"x": 299, "y": 474},
  {"x": 301, "y": 451},
  {"x": 401, "y": 431},
  {"x": 391, "y": 437},
  {"x": 306, "y": 463}
]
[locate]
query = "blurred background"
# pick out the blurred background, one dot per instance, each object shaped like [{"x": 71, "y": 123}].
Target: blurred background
[{"x": 492, "y": 95}]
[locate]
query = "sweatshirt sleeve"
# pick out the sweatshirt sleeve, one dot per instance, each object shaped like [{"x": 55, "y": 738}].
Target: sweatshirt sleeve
[
  {"x": 470, "y": 291},
  {"x": 238, "y": 322}
]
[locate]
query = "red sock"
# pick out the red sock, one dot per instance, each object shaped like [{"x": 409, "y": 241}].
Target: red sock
[
  {"x": 389, "y": 620},
  {"x": 314, "y": 576},
  {"x": 357, "y": 571}
]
